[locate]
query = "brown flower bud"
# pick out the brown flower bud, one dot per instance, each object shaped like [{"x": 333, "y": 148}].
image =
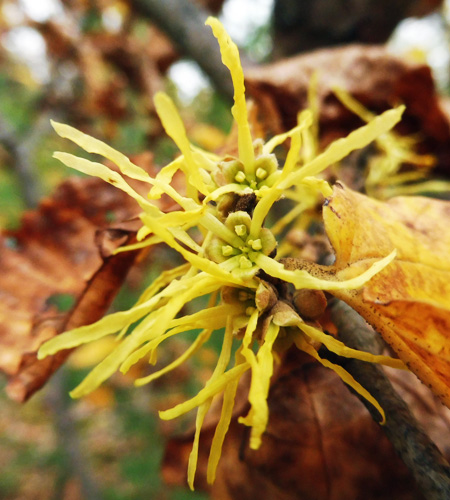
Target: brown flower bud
[{"x": 310, "y": 304}]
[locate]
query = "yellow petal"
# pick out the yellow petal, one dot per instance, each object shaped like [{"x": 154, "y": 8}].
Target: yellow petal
[
  {"x": 92, "y": 145},
  {"x": 153, "y": 240},
  {"x": 213, "y": 224},
  {"x": 228, "y": 188},
  {"x": 221, "y": 430},
  {"x": 165, "y": 176},
  {"x": 231, "y": 59},
  {"x": 334, "y": 345},
  {"x": 163, "y": 280},
  {"x": 353, "y": 105},
  {"x": 203, "y": 318},
  {"x": 103, "y": 172},
  {"x": 174, "y": 128},
  {"x": 197, "y": 261},
  {"x": 206, "y": 393},
  {"x": 262, "y": 370},
  {"x": 106, "y": 326},
  {"x": 343, "y": 374},
  {"x": 262, "y": 209},
  {"x": 193, "y": 456},
  {"x": 150, "y": 327},
  {"x": 271, "y": 196},
  {"x": 304, "y": 121},
  {"x": 190, "y": 351},
  {"x": 342, "y": 147},
  {"x": 302, "y": 279},
  {"x": 200, "y": 320},
  {"x": 221, "y": 366}
]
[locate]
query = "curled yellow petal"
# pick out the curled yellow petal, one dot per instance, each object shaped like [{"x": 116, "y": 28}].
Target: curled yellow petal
[
  {"x": 262, "y": 370},
  {"x": 193, "y": 456},
  {"x": 190, "y": 351},
  {"x": 206, "y": 393},
  {"x": 272, "y": 195},
  {"x": 221, "y": 430},
  {"x": 105, "y": 326},
  {"x": 262, "y": 209},
  {"x": 92, "y": 145},
  {"x": 148, "y": 242},
  {"x": 336, "y": 346},
  {"x": 302, "y": 279},
  {"x": 103, "y": 172},
  {"x": 164, "y": 279},
  {"x": 221, "y": 366},
  {"x": 342, "y": 147},
  {"x": 305, "y": 120},
  {"x": 202, "y": 319},
  {"x": 343, "y": 374},
  {"x": 165, "y": 175}
]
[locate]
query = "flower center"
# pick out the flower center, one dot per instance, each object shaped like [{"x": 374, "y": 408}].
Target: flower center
[
  {"x": 264, "y": 173},
  {"x": 240, "y": 256}
]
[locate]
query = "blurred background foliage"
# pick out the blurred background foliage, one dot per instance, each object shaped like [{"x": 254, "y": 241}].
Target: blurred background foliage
[{"x": 96, "y": 64}]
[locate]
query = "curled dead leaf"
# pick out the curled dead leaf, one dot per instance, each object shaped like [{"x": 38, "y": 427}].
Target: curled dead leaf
[{"x": 44, "y": 269}]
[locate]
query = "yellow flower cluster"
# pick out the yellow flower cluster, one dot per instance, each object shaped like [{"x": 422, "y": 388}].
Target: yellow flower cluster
[{"x": 228, "y": 264}]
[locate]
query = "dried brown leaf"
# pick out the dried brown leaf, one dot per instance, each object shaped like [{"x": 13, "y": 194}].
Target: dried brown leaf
[{"x": 52, "y": 257}]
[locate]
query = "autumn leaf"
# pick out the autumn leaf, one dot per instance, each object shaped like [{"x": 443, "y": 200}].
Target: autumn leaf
[
  {"x": 408, "y": 302},
  {"x": 50, "y": 263}
]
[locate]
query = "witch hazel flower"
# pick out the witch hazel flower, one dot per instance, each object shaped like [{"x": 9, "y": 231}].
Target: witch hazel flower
[{"x": 250, "y": 305}]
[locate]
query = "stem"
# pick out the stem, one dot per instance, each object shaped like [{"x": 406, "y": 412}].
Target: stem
[{"x": 184, "y": 24}]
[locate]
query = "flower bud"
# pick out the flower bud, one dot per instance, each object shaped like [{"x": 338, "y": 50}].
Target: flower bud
[{"x": 310, "y": 304}]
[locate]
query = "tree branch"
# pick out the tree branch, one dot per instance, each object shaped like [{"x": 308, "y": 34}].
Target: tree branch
[
  {"x": 415, "y": 448},
  {"x": 20, "y": 155},
  {"x": 184, "y": 24}
]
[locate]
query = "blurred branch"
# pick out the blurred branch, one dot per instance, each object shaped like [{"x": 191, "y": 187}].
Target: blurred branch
[
  {"x": 184, "y": 24},
  {"x": 68, "y": 436},
  {"x": 305, "y": 25},
  {"x": 20, "y": 154},
  {"x": 415, "y": 448}
]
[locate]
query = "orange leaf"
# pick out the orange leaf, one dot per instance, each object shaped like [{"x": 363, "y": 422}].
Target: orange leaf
[{"x": 408, "y": 302}]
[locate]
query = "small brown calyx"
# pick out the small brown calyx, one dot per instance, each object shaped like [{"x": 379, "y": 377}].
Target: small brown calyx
[{"x": 266, "y": 296}]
